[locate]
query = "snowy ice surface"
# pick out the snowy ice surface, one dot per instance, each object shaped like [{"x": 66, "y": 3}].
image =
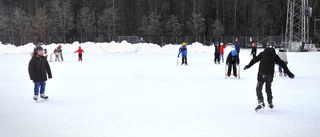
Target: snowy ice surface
[{"x": 146, "y": 95}]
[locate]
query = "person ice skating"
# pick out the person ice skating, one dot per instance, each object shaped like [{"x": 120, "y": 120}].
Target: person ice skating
[
  {"x": 38, "y": 69},
  {"x": 56, "y": 53},
  {"x": 222, "y": 47},
  {"x": 183, "y": 51},
  {"x": 254, "y": 50},
  {"x": 267, "y": 59},
  {"x": 59, "y": 49},
  {"x": 283, "y": 56},
  {"x": 232, "y": 62},
  {"x": 217, "y": 53},
  {"x": 80, "y": 51}
]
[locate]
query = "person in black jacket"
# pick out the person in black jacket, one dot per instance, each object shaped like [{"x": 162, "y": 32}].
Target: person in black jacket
[
  {"x": 268, "y": 58},
  {"x": 38, "y": 70},
  {"x": 254, "y": 50},
  {"x": 232, "y": 62},
  {"x": 217, "y": 53}
]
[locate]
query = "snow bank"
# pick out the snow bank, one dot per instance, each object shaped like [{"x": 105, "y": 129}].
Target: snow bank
[{"x": 112, "y": 47}]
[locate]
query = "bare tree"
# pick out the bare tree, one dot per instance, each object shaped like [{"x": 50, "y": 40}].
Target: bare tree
[
  {"x": 174, "y": 26},
  {"x": 61, "y": 17},
  {"x": 37, "y": 25},
  {"x": 108, "y": 21},
  {"x": 150, "y": 25},
  {"x": 196, "y": 24},
  {"x": 18, "y": 20},
  {"x": 87, "y": 21}
]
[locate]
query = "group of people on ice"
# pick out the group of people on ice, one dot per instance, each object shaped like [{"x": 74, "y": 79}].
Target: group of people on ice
[
  {"x": 268, "y": 58},
  {"x": 39, "y": 69}
]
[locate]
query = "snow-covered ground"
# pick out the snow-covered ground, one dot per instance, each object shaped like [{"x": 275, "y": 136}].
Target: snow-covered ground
[{"x": 138, "y": 91}]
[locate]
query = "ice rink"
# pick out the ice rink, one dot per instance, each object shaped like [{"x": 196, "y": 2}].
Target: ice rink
[{"x": 147, "y": 95}]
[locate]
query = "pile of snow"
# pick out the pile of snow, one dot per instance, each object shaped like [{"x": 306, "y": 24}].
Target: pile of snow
[{"x": 112, "y": 47}]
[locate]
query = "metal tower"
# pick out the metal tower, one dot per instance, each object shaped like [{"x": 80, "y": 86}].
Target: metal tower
[{"x": 297, "y": 25}]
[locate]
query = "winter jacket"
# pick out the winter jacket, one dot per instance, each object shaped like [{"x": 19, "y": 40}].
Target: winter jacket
[
  {"x": 183, "y": 50},
  {"x": 59, "y": 49},
  {"x": 267, "y": 59},
  {"x": 283, "y": 55},
  {"x": 253, "y": 50},
  {"x": 237, "y": 47},
  {"x": 80, "y": 51},
  {"x": 217, "y": 49},
  {"x": 222, "y": 49},
  {"x": 39, "y": 68},
  {"x": 232, "y": 59}
]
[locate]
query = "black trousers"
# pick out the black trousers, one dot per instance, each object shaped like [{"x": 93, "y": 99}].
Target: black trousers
[
  {"x": 184, "y": 60},
  {"x": 268, "y": 90},
  {"x": 254, "y": 55},
  {"x": 217, "y": 57},
  {"x": 234, "y": 67}
]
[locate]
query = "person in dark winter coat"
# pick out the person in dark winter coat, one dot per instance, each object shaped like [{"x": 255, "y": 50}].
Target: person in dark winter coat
[
  {"x": 237, "y": 46},
  {"x": 268, "y": 58},
  {"x": 254, "y": 50},
  {"x": 232, "y": 62},
  {"x": 184, "y": 51},
  {"x": 217, "y": 53},
  {"x": 38, "y": 69}
]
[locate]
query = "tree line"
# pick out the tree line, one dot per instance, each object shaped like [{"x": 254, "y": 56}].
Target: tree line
[{"x": 91, "y": 18}]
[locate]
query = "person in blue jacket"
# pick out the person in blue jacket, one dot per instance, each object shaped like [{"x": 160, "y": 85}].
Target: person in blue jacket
[
  {"x": 232, "y": 62},
  {"x": 183, "y": 50}
]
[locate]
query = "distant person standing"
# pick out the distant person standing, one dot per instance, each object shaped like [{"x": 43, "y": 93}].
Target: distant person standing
[
  {"x": 237, "y": 46},
  {"x": 217, "y": 53},
  {"x": 254, "y": 50},
  {"x": 183, "y": 51},
  {"x": 283, "y": 56},
  {"x": 222, "y": 47},
  {"x": 80, "y": 51},
  {"x": 60, "y": 52}
]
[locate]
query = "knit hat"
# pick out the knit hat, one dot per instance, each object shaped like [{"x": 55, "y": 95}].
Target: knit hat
[{"x": 234, "y": 52}]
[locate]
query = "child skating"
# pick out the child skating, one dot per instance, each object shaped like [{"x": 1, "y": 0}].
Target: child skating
[
  {"x": 254, "y": 50},
  {"x": 268, "y": 58},
  {"x": 39, "y": 70},
  {"x": 222, "y": 47},
  {"x": 232, "y": 63},
  {"x": 80, "y": 51},
  {"x": 184, "y": 51}
]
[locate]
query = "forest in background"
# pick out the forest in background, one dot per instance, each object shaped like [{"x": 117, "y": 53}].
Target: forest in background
[{"x": 62, "y": 19}]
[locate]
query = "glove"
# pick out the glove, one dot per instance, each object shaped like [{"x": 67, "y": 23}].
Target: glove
[
  {"x": 246, "y": 67},
  {"x": 290, "y": 75}
]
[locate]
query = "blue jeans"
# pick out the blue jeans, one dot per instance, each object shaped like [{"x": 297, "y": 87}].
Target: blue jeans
[
  {"x": 280, "y": 69},
  {"x": 222, "y": 57},
  {"x": 39, "y": 86}
]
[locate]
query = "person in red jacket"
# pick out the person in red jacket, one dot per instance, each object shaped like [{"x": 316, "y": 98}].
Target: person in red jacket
[
  {"x": 222, "y": 47},
  {"x": 80, "y": 51}
]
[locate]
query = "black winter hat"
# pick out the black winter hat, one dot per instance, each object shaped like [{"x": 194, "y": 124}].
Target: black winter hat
[{"x": 37, "y": 48}]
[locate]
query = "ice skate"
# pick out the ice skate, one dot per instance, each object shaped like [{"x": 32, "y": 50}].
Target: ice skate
[
  {"x": 271, "y": 106},
  {"x": 260, "y": 106},
  {"x": 35, "y": 97},
  {"x": 43, "y": 96}
]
